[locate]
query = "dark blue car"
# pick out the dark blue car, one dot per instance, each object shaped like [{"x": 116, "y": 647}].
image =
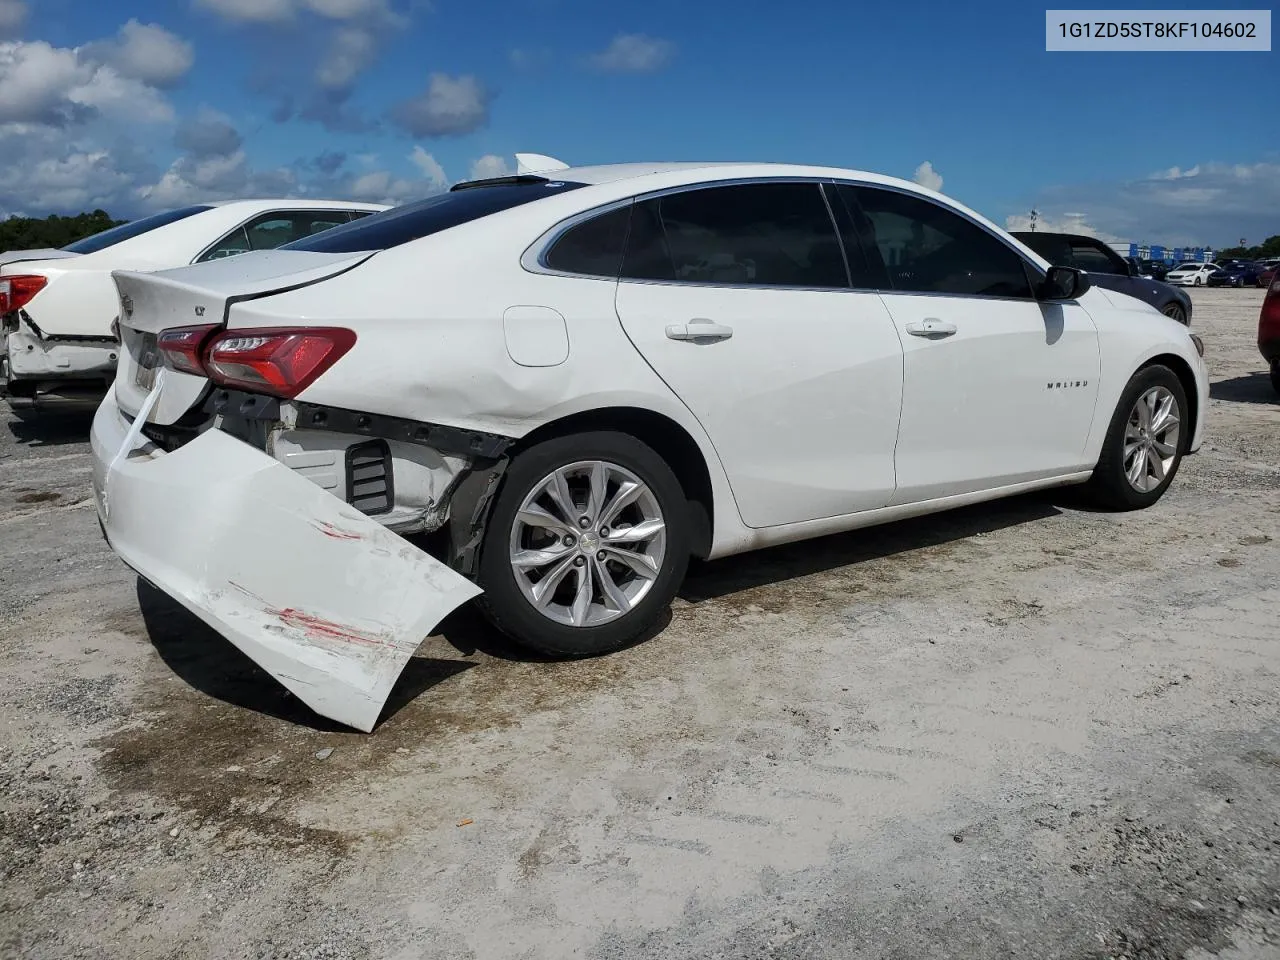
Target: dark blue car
[
  {"x": 1235, "y": 273},
  {"x": 1108, "y": 269}
]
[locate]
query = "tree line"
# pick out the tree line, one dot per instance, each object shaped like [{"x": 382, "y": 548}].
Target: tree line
[
  {"x": 1269, "y": 247},
  {"x": 28, "y": 233}
]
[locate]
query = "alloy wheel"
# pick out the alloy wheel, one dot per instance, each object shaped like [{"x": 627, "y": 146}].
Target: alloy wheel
[
  {"x": 587, "y": 543},
  {"x": 1151, "y": 438}
]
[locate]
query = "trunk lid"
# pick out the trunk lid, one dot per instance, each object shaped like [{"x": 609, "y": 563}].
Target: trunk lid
[
  {"x": 152, "y": 302},
  {"x": 20, "y": 256}
]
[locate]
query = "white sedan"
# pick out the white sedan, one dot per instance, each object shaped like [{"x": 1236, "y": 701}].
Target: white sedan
[
  {"x": 57, "y": 307},
  {"x": 1190, "y": 274},
  {"x": 577, "y": 379}
]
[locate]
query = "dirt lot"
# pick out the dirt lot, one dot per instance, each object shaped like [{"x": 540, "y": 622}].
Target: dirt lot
[{"x": 1024, "y": 729}]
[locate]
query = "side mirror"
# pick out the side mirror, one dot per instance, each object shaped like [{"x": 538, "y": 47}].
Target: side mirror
[{"x": 1063, "y": 283}]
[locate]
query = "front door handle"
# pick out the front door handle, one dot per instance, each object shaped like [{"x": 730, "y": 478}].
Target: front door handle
[
  {"x": 699, "y": 328},
  {"x": 931, "y": 327}
]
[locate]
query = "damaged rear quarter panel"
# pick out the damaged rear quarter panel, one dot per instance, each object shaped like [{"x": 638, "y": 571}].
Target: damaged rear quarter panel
[{"x": 431, "y": 345}]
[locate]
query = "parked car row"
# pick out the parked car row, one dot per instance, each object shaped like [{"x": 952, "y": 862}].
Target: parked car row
[
  {"x": 1106, "y": 268},
  {"x": 59, "y": 307},
  {"x": 575, "y": 379}
]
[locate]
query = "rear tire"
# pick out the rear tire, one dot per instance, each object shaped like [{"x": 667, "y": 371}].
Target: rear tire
[
  {"x": 1145, "y": 442},
  {"x": 1275, "y": 375},
  {"x": 1199, "y": 281},
  {"x": 591, "y": 577}
]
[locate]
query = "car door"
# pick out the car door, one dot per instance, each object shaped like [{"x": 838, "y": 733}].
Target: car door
[
  {"x": 998, "y": 388},
  {"x": 738, "y": 297}
]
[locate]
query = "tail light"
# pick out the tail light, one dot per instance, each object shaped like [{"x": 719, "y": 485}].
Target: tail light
[
  {"x": 180, "y": 347},
  {"x": 1269, "y": 319},
  {"x": 16, "y": 292},
  {"x": 281, "y": 361}
]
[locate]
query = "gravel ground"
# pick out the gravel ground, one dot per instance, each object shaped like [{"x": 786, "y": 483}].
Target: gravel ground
[{"x": 1022, "y": 729}]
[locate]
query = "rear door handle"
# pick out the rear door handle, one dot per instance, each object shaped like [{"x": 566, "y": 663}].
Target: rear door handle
[
  {"x": 699, "y": 328},
  {"x": 931, "y": 327}
]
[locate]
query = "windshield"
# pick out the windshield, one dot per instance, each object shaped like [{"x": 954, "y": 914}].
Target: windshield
[
  {"x": 1189, "y": 266},
  {"x": 136, "y": 228},
  {"x": 425, "y": 217}
]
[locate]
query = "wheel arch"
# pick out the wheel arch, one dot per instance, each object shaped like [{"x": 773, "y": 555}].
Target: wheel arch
[
  {"x": 1182, "y": 370},
  {"x": 669, "y": 439}
]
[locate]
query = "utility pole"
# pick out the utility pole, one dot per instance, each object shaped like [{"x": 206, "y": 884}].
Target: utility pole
[{"x": 1035, "y": 215}]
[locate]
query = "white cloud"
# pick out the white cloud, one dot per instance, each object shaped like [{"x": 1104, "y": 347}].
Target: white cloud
[
  {"x": 1210, "y": 203},
  {"x": 43, "y": 84},
  {"x": 13, "y": 14},
  {"x": 633, "y": 53},
  {"x": 429, "y": 166},
  {"x": 450, "y": 106},
  {"x": 351, "y": 50},
  {"x": 208, "y": 134},
  {"x": 927, "y": 177},
  {"x": 278, "y": 11},
  {"x": 1067, "y": 223},
  {"x": 143, "y": 51},
  {"x": 490, "y": 165},
  {"x": 1176, "y": 173}
]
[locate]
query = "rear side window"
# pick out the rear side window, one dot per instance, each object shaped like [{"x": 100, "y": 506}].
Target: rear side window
[
  {"x": 136, "y": 228},
  {"x": 766, "y": 234},
  {"x": 928, "y": 249},
  {"x": 412, "y": 221},
  {"x": 592, "y": 248}
]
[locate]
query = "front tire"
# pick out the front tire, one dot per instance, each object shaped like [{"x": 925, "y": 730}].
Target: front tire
[
  {"x": 586, "y": 546},
  {"x": 1275, "y": 375},
  {"x": 1175, "y": 312},
  {"x": 1199, "y": 281},
  {"x": 1145, "y": 441}
]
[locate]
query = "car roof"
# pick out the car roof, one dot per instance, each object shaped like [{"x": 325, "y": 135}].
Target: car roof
[
  {"x": 705, "y": 171},
  {"x": 297, "y": 203}
]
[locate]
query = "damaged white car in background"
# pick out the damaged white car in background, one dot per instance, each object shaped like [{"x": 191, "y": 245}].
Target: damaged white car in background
[
  {"x": 574, "y": 380},
  {"x": 58, "y": 307}
]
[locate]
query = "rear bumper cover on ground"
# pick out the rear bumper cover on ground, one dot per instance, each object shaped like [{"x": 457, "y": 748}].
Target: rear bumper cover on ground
[{"x": 325, "y": 599}]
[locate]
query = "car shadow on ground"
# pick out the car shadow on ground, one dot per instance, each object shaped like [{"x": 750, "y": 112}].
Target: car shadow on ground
[
  {"x": 1251, "y": 388},
  {"x": 45, "y": 428},
  {"x": 777, "y": 565},
  {"x": 211, "y": 664}
]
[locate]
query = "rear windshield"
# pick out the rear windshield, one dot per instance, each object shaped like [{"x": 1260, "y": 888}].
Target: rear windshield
[
  {"x": 425, "y": 217},
  {"x": 136, "y": 228}
]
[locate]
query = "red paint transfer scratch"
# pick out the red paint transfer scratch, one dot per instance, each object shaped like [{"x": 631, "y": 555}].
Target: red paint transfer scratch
[
  {"x": 329, "y": 530},
  {"x": 320, "y": 629},
  {"x": 315, "y": 628}
]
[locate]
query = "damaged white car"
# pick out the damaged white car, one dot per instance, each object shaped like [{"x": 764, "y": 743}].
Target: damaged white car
[
  {"x": 58, "y": 307},
  {"x": 576, "y": 379}
]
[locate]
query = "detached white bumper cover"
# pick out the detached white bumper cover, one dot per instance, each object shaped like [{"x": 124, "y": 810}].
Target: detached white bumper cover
[{"x": 326, "y": 600}]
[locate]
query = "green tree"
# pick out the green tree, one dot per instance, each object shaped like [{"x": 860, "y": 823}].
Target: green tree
[{"x": 25, "y": 233}]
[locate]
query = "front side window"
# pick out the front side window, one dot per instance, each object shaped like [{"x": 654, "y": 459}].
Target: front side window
[
  {"x": 765, "y": 234},
  {"x": 929, "y": 249},
  {"x": 1093, "y": 259},
  {"x": 136, "y": 228},
  {"x": 1052, "y": 246}
]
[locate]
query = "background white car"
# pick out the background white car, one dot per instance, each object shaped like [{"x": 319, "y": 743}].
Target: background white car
[
  {"x": 575, "y": 381},
  {"x": 58, "y": 306},
  {"x": 1190, "y": 274}
]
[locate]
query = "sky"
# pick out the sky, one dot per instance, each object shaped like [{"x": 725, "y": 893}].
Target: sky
[{"x": 140, "y": 105}]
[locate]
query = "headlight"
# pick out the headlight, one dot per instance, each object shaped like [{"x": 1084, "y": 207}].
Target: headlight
[{"x": 1199, "y": 344}]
